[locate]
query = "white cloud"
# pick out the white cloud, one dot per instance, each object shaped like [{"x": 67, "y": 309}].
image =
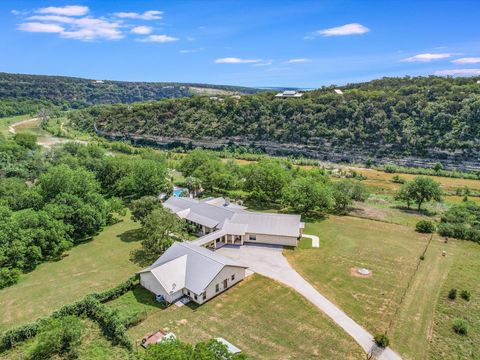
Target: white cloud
[
  {"x": 458, "y": 72},
  {"x": 467, "y": 60},
  {"x": 40, "y": 27},
  {"x": 427, "y": 57},
  {"x": 141, "y": 30},
  {"x": 265, "y": 63},
  {"x": 234, "y": 60},
  {"x": 147, "y": 15},
  {"x": 159, "y": 38},
  {"x": 189, "y": 51},
  {"x": 92, "y": 28},
  {"x": 347, "y": 29},
  {"x": 299, "y": 60},
  {"x": 83, "y": 28},
  {"x": 71, "y": 10},
  {"x": 53, "y": 18}
]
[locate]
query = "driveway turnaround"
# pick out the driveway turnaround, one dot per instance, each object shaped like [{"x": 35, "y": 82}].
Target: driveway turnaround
[
  {"x": 315, "y": 240},
  {"x": 269, "y": 261}
]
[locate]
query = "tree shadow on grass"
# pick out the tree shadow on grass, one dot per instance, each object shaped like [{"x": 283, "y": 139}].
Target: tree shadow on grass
[
  {"x": 131, "y": 235},
  {"x": 143, "y": 296},
  {"x": 314, "y": 217},
  {"x": 141, "y": 257},
  {"x": 412, "y": 211},
  {"x": 192, "y": 305}
]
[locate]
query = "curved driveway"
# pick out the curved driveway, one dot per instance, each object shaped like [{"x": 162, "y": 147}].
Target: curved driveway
[{"x": 270, "y": 262}]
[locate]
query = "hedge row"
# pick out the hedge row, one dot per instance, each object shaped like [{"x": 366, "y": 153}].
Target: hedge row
[
  {"x": 91, "y": 306},
  {"x": 459, "y": 231}
]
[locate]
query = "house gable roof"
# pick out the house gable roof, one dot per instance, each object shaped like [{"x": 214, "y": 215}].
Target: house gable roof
[{"x": 198, "y": 267}]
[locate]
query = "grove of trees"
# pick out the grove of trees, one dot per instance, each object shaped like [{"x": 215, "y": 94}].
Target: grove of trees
[
  {"x": 51, "y": 201},
  {"x": 271, "y": 181},
  {"x": 461, "y": 221}
]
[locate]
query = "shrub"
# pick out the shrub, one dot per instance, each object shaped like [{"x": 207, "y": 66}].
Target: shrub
[
  {"x": 398, "y": 179},
  {"x": 14, "y": 336},
  {"x": 465, "y": 295},
  {"x": 452, "y": 294},
  {"x": 422, "y": 257},
  {"x": 26, "y": 140},
  {"x": 8, "y": 277},
  {"x": 460, "y": 326},
  {"x": 390, "y": 169},
  {"x": 425, "y": 227},
  {"x": 58, "y": 337},
  {"x": 381, "y": 340}
]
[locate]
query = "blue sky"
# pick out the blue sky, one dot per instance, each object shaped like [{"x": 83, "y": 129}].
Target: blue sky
[{"x": 252, "y": 43}]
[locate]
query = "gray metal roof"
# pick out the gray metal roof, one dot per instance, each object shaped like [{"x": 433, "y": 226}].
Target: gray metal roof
[
  {"x": 269, "y": 224},
  {"x": 201, "y": 212},
  {"x": 200, "y": 268},
  {"x": 234, "y": 220}
]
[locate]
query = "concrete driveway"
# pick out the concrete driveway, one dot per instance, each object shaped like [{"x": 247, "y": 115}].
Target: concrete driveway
[{"x": 268, "y": 260}]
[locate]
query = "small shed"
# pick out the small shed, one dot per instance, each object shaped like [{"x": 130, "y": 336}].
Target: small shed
[{"x": 232, "y": 349}]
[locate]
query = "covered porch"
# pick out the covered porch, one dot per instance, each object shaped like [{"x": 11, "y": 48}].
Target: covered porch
[{"x": 218, "y": 239}]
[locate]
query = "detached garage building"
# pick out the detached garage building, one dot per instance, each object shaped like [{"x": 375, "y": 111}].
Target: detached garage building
[
  {"x": 189, "y": 270},
  {"x": 224, "y": 223}
]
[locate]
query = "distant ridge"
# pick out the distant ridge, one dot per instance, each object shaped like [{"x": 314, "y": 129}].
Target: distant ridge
[{"x": 82, "y": 92}]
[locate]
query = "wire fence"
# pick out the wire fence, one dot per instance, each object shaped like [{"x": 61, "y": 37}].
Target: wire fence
[{"x": 410, "y": 280}]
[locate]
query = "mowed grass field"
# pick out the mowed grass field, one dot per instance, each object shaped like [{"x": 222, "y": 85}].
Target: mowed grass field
[
  {"x": 263, "y": 318},
  {"x": 93, "y": 266},
  {"x": 390, "y": 251},
  {"x": 464, "y": 274},
  {"x": 382, "y": 302}
]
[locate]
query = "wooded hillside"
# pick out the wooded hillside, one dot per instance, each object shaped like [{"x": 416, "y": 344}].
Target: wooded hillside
[
  {"x": 400, "y": 116},
  {"x": 78, "y": 92}
]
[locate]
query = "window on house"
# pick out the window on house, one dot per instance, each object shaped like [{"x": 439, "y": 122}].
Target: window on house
[
  {"x": 252, "y": 237},
  {"x": 217, "y": 288},
  {"x": 195, "y": 296},
  {"x": 204, "y": 296},
  {"x": 233, "y": 277},
  {"x": 225, "y": 283}
]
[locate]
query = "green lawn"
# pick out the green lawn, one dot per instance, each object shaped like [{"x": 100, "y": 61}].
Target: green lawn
[
  {"x": 391, "y": 251},
  {"x": 93, "y": 266},
  {"x": 464, "y": 275},
  {"x": 261, "y": 317},
  {"x": 413, "y": 323},
  {"x": 419, "y": 322}
]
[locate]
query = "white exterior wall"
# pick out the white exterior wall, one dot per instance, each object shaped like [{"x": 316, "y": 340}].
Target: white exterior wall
[
  {"x": 226, "y": 273},
  {"x": 150, "y": 282},
  {"x": 272, "y": 239}
]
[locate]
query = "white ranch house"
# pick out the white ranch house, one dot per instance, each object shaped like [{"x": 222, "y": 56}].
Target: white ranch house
[
  {"x": 224, "y": 223},
  {"x": 192, "y": 269}
]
